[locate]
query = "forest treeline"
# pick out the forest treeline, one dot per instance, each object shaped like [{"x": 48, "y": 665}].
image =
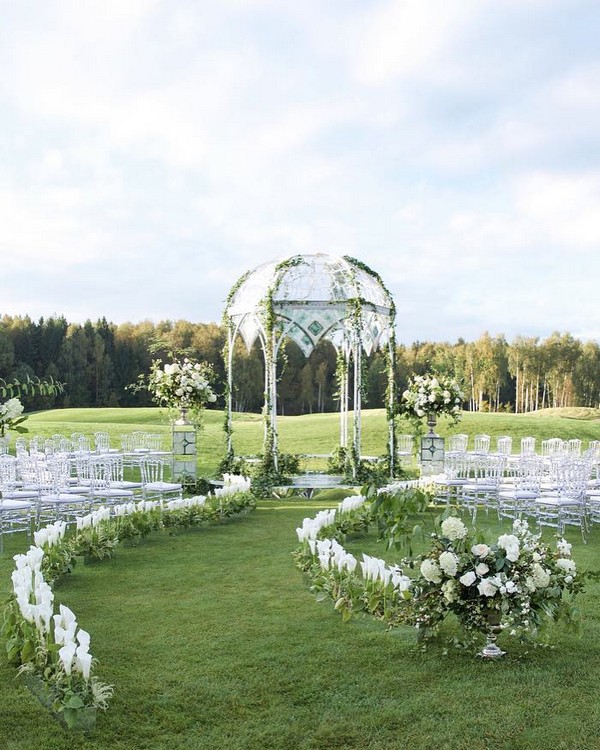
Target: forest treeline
[{"x": 97, "y": 361}]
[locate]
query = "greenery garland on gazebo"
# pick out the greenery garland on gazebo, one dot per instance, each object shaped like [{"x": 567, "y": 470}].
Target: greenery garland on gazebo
[{"x": 309, "y": 298}]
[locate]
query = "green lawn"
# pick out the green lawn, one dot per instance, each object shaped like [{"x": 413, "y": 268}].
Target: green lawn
[
  {"x": 213, "y": 641},
  {"x": 316, "y": 433}
]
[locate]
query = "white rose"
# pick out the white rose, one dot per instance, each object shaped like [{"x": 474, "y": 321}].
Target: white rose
[
  {"x": 510, "y": 544},
  {"x": 481, "y": 569},
  {"x": 468, "y": 579},
  {"x": 480, "y": 550},
  {"x": 486, "y": 587}
]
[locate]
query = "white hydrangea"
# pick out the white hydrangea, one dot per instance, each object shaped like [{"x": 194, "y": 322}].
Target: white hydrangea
[
  {"x": 449, "y": 590},
  {"x": 453, "y": 528},
  {"x": 540, "y": 576},
  {"x": 449, "y": 563},
  {"x": 11, "y": 409},
  {"x": 430, "y": 570},
  {"x": 567, "y": 565}
]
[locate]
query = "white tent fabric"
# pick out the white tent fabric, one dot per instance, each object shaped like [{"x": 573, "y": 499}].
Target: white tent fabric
[{"x": 312, "y": 297}]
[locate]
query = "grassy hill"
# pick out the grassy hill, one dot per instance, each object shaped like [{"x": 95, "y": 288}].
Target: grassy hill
[{"x": 315, "y": 433}]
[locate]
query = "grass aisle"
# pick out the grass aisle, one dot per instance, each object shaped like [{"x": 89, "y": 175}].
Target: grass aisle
[{"x": 213, "y": 642}]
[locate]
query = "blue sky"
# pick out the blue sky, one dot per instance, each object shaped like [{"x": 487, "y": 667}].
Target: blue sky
[{"x": 152, "y": 151}]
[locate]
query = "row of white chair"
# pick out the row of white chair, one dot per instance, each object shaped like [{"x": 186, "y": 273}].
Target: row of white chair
[
  {"x": 77, "y": 442},
  {"x": 38, "y": 489},
  {"x": 458, "y": 443},
  {"x": 554, "y": 490}
]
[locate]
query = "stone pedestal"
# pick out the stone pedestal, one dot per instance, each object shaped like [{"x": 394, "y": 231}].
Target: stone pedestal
[
  {"x": 432, "y": 454},
  {"x": 184, "y": 451}
]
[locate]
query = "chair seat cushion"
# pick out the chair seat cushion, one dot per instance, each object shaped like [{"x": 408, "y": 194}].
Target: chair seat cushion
[
  {"x": 113, "y": 492},
  {"x": 557, "y": 502},
  {"x": 7, "y": 504},
  {"x": 126, "y": 485},
  {"x": 63, "y": 497},
  {"x": 163, "y": 487},
  {"x": 19, "y": 495}
]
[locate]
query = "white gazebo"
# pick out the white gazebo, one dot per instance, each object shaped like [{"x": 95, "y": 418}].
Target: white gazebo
[{"x": 307, "y": 298}]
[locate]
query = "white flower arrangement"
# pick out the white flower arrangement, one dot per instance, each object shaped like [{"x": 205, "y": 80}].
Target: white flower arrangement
[
  {"x": 51, "y": 644},
  {"x": 432, "y": 394},
  {"x": 11, "y": 412},
  {"x": 517, "y": 584},
  {"x": 519, "y": 578},
  {"x": 181, "y": 385}
]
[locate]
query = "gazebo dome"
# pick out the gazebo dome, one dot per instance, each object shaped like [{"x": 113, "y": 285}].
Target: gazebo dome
[{"x": 313, "y": 297}]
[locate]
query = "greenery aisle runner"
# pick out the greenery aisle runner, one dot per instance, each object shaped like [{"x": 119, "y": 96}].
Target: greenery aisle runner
[{"x": 212, "y": 639}]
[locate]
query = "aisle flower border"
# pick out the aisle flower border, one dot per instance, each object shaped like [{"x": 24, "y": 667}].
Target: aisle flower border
[
  {"x": 49, "y": 648},
  {"x": 448, "y": 579}
]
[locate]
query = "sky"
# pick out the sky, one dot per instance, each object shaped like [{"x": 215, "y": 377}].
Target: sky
[{"x": 152, "y": 151}]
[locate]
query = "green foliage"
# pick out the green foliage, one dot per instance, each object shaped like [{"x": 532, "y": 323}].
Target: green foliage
[
  {"x": 400, "y": 516},
  {"x": 518, "y": 583},
  {"x": 98, "y": 543},
  {"x": 29, "y": 386},
  {"x": 374, "y": 473},
  {"x": 137, "y": 525},
  {"x": 59, "y": 560},
  {"x": 265, "y": 475}
]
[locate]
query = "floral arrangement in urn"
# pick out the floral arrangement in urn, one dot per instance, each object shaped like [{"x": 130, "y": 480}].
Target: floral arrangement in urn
[
  {"x": 515, "y": 584},
  {"x": 432, "y": 396},
  {"x": 181, "y": 384}
]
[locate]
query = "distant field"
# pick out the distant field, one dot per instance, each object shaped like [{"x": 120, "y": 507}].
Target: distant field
[{"x": 316, "y": 433}]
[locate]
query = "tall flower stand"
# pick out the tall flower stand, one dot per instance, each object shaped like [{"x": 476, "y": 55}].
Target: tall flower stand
[
  {"x": 432, "y": 450},
  {"x": 184, "y": 449}
]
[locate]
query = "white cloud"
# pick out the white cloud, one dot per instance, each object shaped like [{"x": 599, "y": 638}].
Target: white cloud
[
  {"x": 47, "y": 229},
  {"x": 452, "y": 146},
  {"x": 401, "y": 37},
  {"x": 564, "y": 208}
]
